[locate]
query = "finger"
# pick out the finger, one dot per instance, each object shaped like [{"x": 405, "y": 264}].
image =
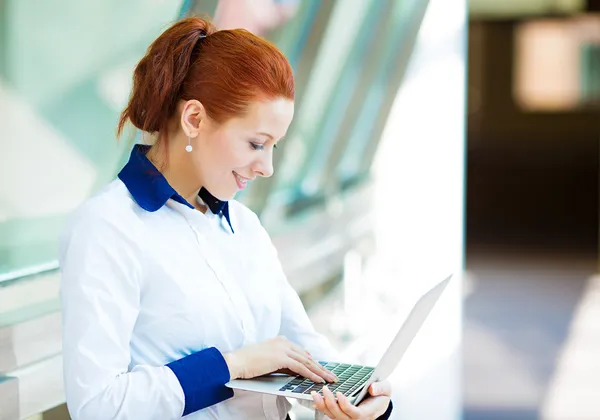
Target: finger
[
  {"x": 349, "y": 409},
  {"x": 314, "y": 365},
  {"x": 299, "y": 358},
  {"x": 323, "y": 371},
  {"x": 332, "y": 376},
  {"x": 332, "y": 405},
  {"x": 320, "y": 404},
  {"x": 381, "y": 388},
  {"x": 318, "y": 400},
  {"x": 302, "y": 370}
]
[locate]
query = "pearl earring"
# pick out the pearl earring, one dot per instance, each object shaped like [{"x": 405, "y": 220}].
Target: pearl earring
[{"x": 189, "y": 148}]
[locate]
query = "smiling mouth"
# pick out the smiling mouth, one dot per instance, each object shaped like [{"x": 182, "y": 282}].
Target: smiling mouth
[{"x": 240, "y": 180}]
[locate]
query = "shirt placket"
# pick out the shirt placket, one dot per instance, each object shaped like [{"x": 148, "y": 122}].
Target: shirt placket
[
  {"x": 234, "y": 291},
  {"x": 217, "y": 264}
]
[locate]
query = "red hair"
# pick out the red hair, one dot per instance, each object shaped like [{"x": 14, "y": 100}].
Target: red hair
[{"x": 224, "y": 70}]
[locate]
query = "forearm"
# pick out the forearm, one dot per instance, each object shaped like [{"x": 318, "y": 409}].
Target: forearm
[{"x": 164, "y": 392}]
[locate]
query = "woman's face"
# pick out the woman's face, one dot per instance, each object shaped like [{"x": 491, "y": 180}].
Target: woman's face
[{"x": 230, "y": 155}]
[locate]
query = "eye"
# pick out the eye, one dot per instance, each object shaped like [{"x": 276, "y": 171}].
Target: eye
[{"x": 257, "y": 146}]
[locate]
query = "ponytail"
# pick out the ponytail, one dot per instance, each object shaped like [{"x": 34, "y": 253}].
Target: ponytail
[{"x": 158, "y": 77}]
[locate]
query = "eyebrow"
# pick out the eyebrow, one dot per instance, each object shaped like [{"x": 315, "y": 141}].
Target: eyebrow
[{"x": 266, "y": 134}]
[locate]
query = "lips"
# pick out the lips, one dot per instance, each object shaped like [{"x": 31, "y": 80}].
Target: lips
[{"x": 241, "y": 180}]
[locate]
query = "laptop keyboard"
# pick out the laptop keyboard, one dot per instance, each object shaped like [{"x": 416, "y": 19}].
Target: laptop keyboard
[{"x": 351, "y": 378}]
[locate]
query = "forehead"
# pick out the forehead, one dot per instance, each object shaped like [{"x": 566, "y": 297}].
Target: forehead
[{"x": 269, "y": 116}]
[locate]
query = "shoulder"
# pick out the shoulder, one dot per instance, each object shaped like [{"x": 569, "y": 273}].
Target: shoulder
[
  {"x": 110, "y": 211},
  {"x": 103, "y": 236}
]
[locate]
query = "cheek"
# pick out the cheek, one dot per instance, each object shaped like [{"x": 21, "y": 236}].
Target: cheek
[{"x": 234, "y": 156}]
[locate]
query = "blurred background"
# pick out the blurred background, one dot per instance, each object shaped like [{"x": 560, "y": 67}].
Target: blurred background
[{"x": 430, "y": 137}]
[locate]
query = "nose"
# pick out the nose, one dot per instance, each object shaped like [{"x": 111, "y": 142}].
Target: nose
[{"x": 263, "y": 166}]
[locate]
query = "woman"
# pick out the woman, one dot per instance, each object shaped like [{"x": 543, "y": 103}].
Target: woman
[{"x": 169, "y": 287}]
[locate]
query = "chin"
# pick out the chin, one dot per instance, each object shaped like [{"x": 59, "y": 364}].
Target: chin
[
  {"x": 223, "y": 194},
  {"x": 226, "y": 196}
]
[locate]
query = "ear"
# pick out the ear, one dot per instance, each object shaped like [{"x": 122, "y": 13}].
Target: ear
[{"x": 192, "y": 115}]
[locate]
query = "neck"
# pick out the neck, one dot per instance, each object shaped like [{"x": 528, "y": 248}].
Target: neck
[{"x": 177, "y": 167}]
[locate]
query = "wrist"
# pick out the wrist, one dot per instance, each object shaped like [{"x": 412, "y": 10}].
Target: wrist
[{"x": 232, "y": 365}]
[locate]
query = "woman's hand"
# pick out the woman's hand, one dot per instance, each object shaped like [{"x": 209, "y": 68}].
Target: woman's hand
[
  {"x": 371, "y": 408},
  {"x": 276, "y": 355}
]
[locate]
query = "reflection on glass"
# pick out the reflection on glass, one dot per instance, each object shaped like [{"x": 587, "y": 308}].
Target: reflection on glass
[
  {"x": 340, "y": 37},
  {"x": 356, "y": 159},
  {"x": 349, "y": 79},
  {"x": 64, "y": 77},
  {"x": 257, "y": 16}
]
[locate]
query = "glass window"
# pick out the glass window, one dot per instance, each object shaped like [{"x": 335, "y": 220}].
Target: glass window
[
  {"x": 339, "y": 25},
  {"x": 65, "y": 74},
  {"x": 299, "y": 39},
  {"x": 402, "y": 27},
  {"x": 346, "y": 97},
  {"x": 340, "y": 37},
  {"x": 346, "y": 102}
]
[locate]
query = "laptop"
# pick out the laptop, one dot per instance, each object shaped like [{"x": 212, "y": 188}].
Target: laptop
[{"x": 354, "y": 380}]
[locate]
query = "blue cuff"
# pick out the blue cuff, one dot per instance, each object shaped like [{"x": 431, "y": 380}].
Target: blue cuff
[{"x": 202, "y": 376}]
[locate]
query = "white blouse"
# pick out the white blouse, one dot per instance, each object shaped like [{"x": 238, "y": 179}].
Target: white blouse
[{"x": 141, "y": 289}]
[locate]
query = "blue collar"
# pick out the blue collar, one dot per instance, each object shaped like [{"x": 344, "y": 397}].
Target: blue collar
[{"x": 151, "y": 190}]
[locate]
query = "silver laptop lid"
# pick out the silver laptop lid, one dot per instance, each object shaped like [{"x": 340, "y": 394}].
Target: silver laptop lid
[{"x": 405, "y": 335}]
